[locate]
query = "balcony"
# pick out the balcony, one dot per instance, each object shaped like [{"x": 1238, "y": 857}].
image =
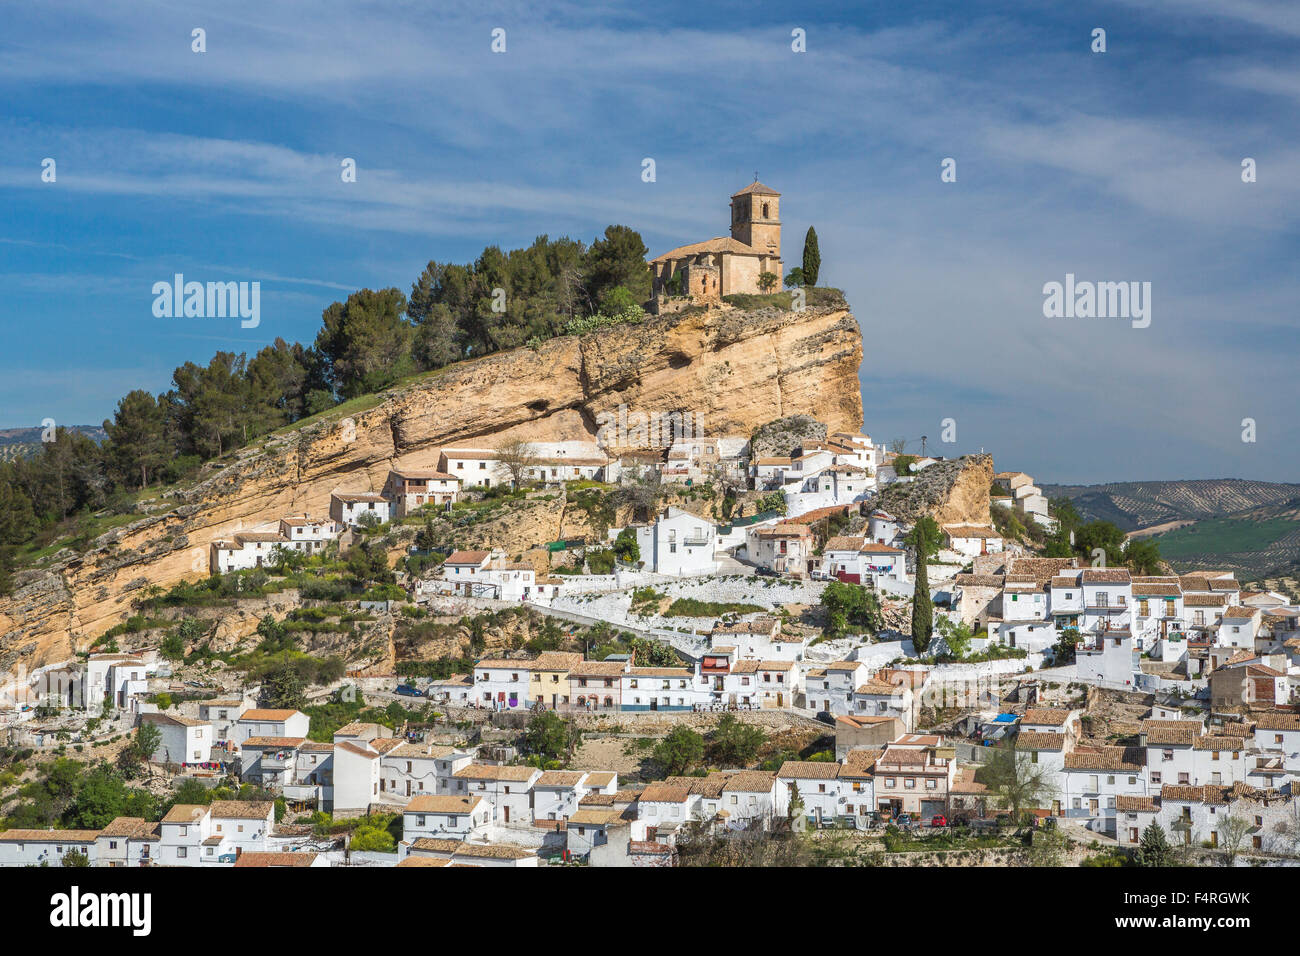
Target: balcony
[
  {"x": 697, "y": 541},
  {"x": 301, "y": 792}
]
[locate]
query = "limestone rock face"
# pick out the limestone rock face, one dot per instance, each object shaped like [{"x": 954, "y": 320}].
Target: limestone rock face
[
  {"x": 734, "y": 370},
  {"x": 778, "y": 439},
  {"x": 951, "y": 492}
]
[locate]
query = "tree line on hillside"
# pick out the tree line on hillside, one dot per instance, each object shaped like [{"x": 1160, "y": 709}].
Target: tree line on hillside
[{"x": 365, "y": 343}]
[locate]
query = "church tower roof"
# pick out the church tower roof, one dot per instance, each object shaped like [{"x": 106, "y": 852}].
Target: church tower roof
[{"x": 756, "y": 188}]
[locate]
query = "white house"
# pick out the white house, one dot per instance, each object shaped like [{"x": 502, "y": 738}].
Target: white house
[
  {"x": 445, "y": 815},
  {"x": 678, "y": 543},
  {"x": 196, "y": 835},
  {"x": 114, "y": 679},
  {"x": 857, "y": 560},
  {"x": 749, "y": 798},
  {"x": 883, "y": 528},
  {"x": 831, "y": 688},
  {"x": 501, "y": 684},
  {"x": 487, "y": 574},
  {"x": 1239, "y": 627},
  {"x": 270, "y": 762},
  {"x": 307, "y": 534},
  {"x": 1094, "y": 780},
  {"x": 972, "y": 540},
  {"x": 246, "y": 550},
  {"x": 558, "y": 793},
  {"x": 223, "y": 714},
  {"x": 474, "y": 467},
  {"x": 1169, "y": 753},
  {"x": 182, "y": 740},
  {"x": 818, "y": 786},
  {"x": 410, "y": 769},
  {"x": 783, "y": 548},
  {"x": 1106, "y": 658},
  {"x": 348, "y": 507},
  {"x": 409, "y": 490},
  {"x": 508, "y": 789},
  {"x": 127, "y": 841},
  {"x": 45, "y": 847},
  {"x": 1107, "y": 596},
  {"x": 271, "y": 722},
  {"x": 882, "y": 697}
]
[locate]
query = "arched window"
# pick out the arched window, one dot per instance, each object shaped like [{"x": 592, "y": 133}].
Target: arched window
[{"x": 764, "y": 210}]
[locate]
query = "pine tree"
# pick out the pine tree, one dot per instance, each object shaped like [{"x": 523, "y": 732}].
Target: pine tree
[
  {"x": 812, "y": 258},
  {"x": 1154, "y": 850}
]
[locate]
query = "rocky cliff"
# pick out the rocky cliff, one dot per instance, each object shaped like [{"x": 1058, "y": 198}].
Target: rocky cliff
[
  {"x": 952, "y": 492},
  {"x": 734, "y": 370}
]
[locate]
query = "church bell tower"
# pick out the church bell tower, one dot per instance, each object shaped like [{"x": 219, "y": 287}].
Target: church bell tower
[{"x": 756, "y": 218}]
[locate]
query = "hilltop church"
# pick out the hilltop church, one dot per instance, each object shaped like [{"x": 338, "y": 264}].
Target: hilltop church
[{"x": 706, "y": 271}]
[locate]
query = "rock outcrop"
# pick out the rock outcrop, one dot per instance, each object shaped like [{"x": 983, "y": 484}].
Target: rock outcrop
[
  {"x": 780, "y": 438},
  {"x": 734, "y": 370},
  {"x": 952, "y": 492}
]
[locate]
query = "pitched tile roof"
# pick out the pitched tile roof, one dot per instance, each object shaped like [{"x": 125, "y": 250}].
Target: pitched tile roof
[
  {"x": 241, "y": 809},
  {"x": 258, "y": 713},
  {"x": 442, "y": 803},
  {"x": 1125, "y": 803},
  {"x": 808, "y": 770},
  {"x": 257, "y": 858},
  {"x": 483, "y": 771},
  {"x": 1131, "y": 759},
  {"x": 1054, "y": 716}
]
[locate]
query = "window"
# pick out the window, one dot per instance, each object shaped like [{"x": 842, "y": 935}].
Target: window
[{"x": 182, "y": 852}]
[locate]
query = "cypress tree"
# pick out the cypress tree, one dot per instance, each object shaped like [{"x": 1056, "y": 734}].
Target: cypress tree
[
  {"x": 812, "y": 258},
  {"x": 924, "y": 537},
  {"x": 922, "y": 609}
]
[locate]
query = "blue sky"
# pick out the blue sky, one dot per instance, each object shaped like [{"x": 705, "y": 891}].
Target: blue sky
[{"x": 1116, "y": 166}]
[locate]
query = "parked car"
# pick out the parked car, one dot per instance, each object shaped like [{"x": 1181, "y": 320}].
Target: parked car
[
  {"x": 938, "y": 820},
  {"x": 766, "y": 572},
  {"x": 406, "y": 690}
]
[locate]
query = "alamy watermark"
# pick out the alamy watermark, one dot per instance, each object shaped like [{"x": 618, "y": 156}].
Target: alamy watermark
[
  {"x": 1100, "y": 300},
  {"x": 211, "y": 300},
  {"x": 654, "y": 429}
]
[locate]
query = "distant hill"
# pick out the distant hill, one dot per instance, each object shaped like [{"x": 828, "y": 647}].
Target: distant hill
[
  {"x": 18, "y": 443},
  {"x": 1249, "y": 527},
  {"x": 1133, "y": 505}
]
